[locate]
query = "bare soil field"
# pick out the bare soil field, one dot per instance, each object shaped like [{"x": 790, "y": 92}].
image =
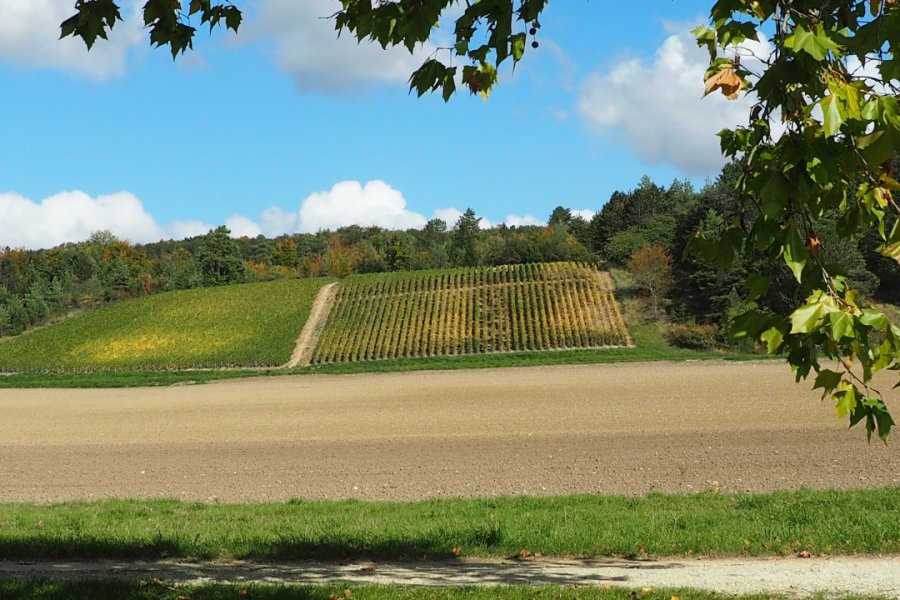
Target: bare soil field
[{"x": 626, "y": 428}]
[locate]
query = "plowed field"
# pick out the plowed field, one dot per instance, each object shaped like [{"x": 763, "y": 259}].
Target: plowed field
[{"x": 628, "y": 428}]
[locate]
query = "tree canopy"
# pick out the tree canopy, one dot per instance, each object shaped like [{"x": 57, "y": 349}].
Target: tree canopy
[{"x": 819, "y": 141}]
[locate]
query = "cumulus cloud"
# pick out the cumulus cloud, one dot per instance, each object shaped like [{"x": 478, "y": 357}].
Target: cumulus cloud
[
  {"x": 242, "y": 227},
  {"x": 519, "y": 221},
  {"x": 585, "y": 213},
  {"x": 29, "y": 32},
  {"x": 351, "y": 203},
  {"x": 656, "y": 107},
  {"x": 73, "y": 216},
  {"x": 308, "y": 49}
]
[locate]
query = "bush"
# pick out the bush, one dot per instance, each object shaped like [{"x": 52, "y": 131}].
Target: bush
[{"x": 693, "y": 336}]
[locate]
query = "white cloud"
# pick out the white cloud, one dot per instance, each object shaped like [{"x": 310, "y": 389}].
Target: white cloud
[
  {"x": 73, "y": 216},
  {"x": 180, "y": 230},
  {"x": 657, "y": 109},
  {"x": 307, "y": 47},
  {"x": 29, "y": 32},
  {"x": 242, "y": 227},
  {"x": 448, "y": 215},
  {"x": 585, "y": 213},
  {"x": 275, "y": 221},
  {"x": 519, "y": 221},
  {"x": 351, "y": 203}
]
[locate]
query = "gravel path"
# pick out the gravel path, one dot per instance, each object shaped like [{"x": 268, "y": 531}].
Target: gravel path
[
  {"x": 626, "y": 428},
  {"x": 839, "y": 576}
]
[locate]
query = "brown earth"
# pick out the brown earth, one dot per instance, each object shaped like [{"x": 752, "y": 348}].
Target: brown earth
[{"x": 628, "y": 428}]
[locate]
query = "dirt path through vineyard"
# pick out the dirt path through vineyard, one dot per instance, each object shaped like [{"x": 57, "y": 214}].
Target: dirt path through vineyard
[
  {"x": 306, "y": 342},
  {"x": 627, "y": 428}
]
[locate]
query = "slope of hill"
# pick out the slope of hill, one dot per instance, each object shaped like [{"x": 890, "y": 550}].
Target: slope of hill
[
  {"x": 471, "y": 311},
  {"x": 240, "y": 325}
]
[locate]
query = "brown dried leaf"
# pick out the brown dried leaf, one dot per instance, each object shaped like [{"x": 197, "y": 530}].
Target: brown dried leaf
[{"x": 727, "y": 81}]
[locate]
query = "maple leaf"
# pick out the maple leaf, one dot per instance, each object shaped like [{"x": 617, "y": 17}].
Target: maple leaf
[{"x": 727, "y": 81}]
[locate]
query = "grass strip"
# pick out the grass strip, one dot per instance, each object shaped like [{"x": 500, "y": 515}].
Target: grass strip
[
  {"x": 827, "y": 522},
  {"x": 91, "y": 590},
  {"x": 128, "y": 379}
]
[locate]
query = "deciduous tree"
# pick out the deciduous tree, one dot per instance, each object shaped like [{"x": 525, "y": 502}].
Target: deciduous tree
[{"x": 652, "y": 270}]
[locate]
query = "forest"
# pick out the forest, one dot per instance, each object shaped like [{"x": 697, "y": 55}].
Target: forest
[{"x": 650, "y": 230}]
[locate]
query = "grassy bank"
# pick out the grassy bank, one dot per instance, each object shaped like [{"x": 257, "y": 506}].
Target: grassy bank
[{"x": 830, "y": 522}]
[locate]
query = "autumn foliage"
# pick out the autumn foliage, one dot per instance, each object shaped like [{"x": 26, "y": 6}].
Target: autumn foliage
[{"x": 651, "y": 270}]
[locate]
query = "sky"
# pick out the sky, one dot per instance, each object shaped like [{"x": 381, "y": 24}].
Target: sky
[{"x": 287, "y": 128}]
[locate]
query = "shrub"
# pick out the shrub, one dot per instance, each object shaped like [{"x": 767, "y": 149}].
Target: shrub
[{"x": 693, "y": 336}]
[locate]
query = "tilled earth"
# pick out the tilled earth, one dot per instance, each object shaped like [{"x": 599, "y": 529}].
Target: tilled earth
[{"x": 625, "y": 428}]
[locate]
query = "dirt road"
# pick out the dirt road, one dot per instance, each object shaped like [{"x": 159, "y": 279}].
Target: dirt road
[
  {"x": 629, "y": 428},
  {"x": 834, "y": 577}
]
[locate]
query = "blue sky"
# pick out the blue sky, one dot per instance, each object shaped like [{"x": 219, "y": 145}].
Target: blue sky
[{"x": 283, "y": 128}]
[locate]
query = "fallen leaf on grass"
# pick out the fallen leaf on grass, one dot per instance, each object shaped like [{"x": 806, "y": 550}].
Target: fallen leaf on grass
[
  {"x": 525, "y": 553},
  {"x": 457, "y": 550}
]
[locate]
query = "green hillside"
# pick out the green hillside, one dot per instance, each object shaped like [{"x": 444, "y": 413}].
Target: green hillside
[
  {"x": 239, "y": 325},
  {"x": 474, "y": 310}
]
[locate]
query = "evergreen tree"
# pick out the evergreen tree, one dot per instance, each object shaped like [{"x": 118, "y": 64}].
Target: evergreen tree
[{"x": 219, "y": 258}]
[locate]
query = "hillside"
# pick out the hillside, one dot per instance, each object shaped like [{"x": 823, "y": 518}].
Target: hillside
[
  {"x": 443, "y": 312},
  {"x": 470, "y": 311},
  {"x": 239, "y": 325}
]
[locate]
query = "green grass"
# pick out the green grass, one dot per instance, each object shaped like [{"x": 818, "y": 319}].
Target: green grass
[
  {"x": 831, "y": 522},
  {"x": 241, "y": 325},
  {"x": 109, "y": 590}
]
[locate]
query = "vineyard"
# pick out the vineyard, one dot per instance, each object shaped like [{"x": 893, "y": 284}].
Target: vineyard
[
  {"x": 471, "y": 310},
  {"x": 229, "y": 326}
]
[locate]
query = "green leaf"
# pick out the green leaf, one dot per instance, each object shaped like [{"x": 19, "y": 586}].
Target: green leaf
[
  {"x": 775, "y": 194},
  {"x": 835, "y": 114},
  {"x": 817, "y": 44},
  {"x": 795, "y": 254},
  {"x": 826, "y": 381},
  {"x": 885, "y": 422},
  {"x": 773, "y": 339},
  {"x": 449, "y": 83},
  {"x": 845, "y": 399},
  {"x": 879, "y": 145},
  {"x": 841, "y": 326},
  {"x": 806, "y": 318},
  {"x": 756, "y": 286},
  {"x": 749, "y": 325},
  {"x": 518, "y": 46},
  {"x": 891, "y": 248},
  {"x": 873, "y": 318}
]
